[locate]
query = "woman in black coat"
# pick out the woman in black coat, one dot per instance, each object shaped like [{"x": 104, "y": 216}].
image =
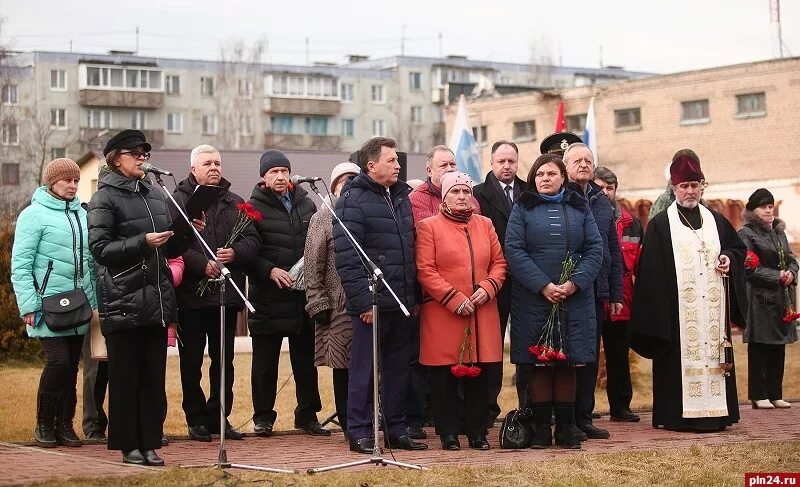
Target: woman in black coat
[
  {"x": 768, "y": 286},
  {"x": 130, "y": 242}
]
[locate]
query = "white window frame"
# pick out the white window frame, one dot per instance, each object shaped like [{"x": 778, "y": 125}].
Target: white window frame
[
  {"x": 379, "y": 128},
  {"x": 59, "y": 78},
  {"x": 105, "y": 78},
  {"x": 104, "y": 114},
  {"x": 177, "y": 123},
  {"x": 291, "y": 85},
  {"x": 203, "y": 92},
  {"x": 352, "y": 123},
  {"x": 411, "y": 85},
  {"x": 623, "y": 128},
  {"x": 695, "y": 120},
  {"x": 754, "y": 113},
  {"x": 418, "y": 117},
  {"x": 169, "y": 89},
  {"x": 5, "y": 133},
  {"x": 58, "y": 126},
  {"x": 348, "y": 89},
  {"x": 381, "y": 99},
  {"x": 10, "y": 88},
  {"x": 62, "y": 152},
  {"x": 139, "y": 120},
  {"x": 246, "y": 129},
  {"x": 523, "y": 137},
  {"x": 205, "y": 120},
  {"x": 245, "y": 89}
]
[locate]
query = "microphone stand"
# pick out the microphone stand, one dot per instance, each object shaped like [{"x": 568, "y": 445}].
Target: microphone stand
[
  {"x": 225, "y": 275},
  {"x": 375, "y": 279}
]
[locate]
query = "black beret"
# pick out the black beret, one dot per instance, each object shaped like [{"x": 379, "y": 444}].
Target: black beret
[
  {"x": 127, "y": 139},
  {"x": 760, "y": 197},
  {"x": 273, "y": 158},
  {"x": 558, "y": 142}
]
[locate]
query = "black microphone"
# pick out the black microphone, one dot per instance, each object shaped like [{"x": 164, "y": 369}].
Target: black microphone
[
  {"x": 147, "y": 167},
  {"x": 297, "y": 179}
]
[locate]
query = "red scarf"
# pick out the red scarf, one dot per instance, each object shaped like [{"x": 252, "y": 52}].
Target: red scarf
[{"x": 461, "y": 216}]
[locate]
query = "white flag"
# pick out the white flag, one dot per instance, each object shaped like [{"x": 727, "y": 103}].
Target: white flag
[
  {"x": 462, "y": 143},
  {"x": 589, "y": 132}
]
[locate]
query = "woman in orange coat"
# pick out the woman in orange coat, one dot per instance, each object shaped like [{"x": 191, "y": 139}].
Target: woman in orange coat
[{"x": 460, "y": 266}]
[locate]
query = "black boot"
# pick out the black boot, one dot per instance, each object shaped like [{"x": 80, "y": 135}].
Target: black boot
[
  {"x": 65, "y": 434},
  {"x": 45, "y": 432},
  {"x": 565, "y": 419},
  {"x": 543, "y": 435}
]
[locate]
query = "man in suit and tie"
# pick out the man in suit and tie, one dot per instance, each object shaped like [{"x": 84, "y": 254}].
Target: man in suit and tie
[{"x": 496, "y": 195}]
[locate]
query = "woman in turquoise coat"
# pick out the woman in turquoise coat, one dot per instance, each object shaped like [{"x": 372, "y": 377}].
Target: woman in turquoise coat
[{"x": 53, "y": 230}]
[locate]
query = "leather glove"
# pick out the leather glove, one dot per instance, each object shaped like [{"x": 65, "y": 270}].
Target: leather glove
[{"x": 323, "y": 318}]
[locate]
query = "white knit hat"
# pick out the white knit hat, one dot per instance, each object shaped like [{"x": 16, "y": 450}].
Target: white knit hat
[{"x": 341, "y": 169}]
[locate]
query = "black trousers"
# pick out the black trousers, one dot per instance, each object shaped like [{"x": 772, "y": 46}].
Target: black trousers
[
  {"x": 264, "y": 377},
  {"x": 340, "y": 379},
  {"x": 618, "y": 369},
  {"x": 445, "y": 401},
  {"x": 60, "y": 373},
  {"x": 94, "y": 417},
  {"x": 765, "y": 371},
  {"x": 586, "y": 377},
  {"x": 137, "y": 400},
  {"x": 417, "y": 393},
  {"x": 99, "y": 393},
  {"x": 197, "y": 327},
  {"x": 495, "y": 375}
]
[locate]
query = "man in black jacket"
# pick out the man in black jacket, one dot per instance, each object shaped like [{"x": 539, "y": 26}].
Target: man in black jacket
[
  {"x": 280, "y": 308},
  {"x": 496, "y": 195},
  {"x": 198, "y": 313},
  {"x": 375, "y": 207}
]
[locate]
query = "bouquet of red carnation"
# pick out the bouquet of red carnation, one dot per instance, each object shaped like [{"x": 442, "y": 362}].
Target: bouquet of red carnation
[
  {"x": 460, "y": 370},
  {"x": 751, "y": 260},
  {"x": 247, "y": 215},
  {"x": 550, "y": 346},
  {"x": 789, "y": 314}
]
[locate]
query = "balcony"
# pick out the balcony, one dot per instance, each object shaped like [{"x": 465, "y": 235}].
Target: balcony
[
  {"x": 301, "y": 141},
  {"x": 89, "y": 136},
  {"x": 120, "y": 98},
  {"x": 302, "y": 106}
]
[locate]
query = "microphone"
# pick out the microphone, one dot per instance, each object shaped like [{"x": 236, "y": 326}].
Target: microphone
[
  {"x": 147, "y": 167},
  {"x": 297, "y": 179}
]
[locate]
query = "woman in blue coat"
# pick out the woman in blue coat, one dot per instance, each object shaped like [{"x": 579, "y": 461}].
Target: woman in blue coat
[
  {"x": 548, "y": 224},
  {"x": 52, "y": 231}
]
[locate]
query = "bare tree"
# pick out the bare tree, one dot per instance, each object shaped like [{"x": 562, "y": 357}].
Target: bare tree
[{"x": 235, "y": 92}]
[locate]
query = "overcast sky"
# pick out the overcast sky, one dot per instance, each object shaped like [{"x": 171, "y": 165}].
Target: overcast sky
[{"x": 653, "y": 35}]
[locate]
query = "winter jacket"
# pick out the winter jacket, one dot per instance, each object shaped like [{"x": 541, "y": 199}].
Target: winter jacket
[
  {"x": 51, "y": 230},
  {"x": 766, "y": 295},
  {"x": 134, "y": 281},
  {"x": 221, "y": 217},
  {"x": 382, "y": 223},
  {"x": 540, "y": 235},
  {"x": 283, "y": 239},
  {"x": 332, "y": 341},
  {"x": 629, "y": 232},
  {"x": 493, "y": 204},
  {"x": 426, "y": 200},
  {"x": 608, "y": 287},
  {"x": 454, "y": 259}
]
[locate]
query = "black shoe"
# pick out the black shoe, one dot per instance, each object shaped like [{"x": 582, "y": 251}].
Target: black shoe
[
  {"x": 150, "y": 458},
  {"x": 626, "y": 416},
  {"x": 578, "y": 433},
  {"x": 199, "y": 433},
  {"x": 233, "y": 434},
  {"x": 96, "y": 437},
  {"x": 263, "y": 428},
  {"x": 479, "y": 443},
  {"x": 450, "y": 442},
  {"x": 362, "y": 445},
  {"x": 416, "y": 433},
  {"x": 65, "y": 433},
  {"x": 595, "y": 433},
  {"x": 164, "y": 440},
  {"x": 565, "y": 438},
  {"x": 596, "y": 415},
  {"x": 133, "y": 457},
  {"x": 404, "y": 442},
  {"x": 542, "y": 436},
  {"x": 314, "y": 428}
]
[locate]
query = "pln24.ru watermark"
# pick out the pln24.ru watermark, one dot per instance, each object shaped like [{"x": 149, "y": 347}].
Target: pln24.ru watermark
[{"x": 751, "y": 479}]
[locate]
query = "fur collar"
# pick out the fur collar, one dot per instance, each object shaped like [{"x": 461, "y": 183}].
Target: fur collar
[{"x": 750, "y": 218}]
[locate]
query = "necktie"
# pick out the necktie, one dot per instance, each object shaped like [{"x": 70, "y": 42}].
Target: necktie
[{"x": 510, "y": 195}]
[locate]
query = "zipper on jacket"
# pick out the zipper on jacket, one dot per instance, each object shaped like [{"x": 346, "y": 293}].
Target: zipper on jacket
[
  {"x": 158, "y": 267},
  {"x": 75, "y": 259},
  {"x": 139, "y": 264},
  {"x": 474, "y": 287}
]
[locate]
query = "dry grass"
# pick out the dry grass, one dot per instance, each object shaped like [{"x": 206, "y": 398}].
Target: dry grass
[
  {"x": 20, "y": 381},
  {"x": 696, "y": 466}
]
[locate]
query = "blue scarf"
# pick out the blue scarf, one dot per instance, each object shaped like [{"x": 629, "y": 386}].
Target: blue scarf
[{"x": 555, "y": 198}]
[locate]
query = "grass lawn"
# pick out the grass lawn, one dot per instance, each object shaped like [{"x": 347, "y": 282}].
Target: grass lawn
[{"x": 20, "y": 382}]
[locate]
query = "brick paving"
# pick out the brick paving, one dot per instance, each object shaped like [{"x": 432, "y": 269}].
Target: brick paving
[{"x": 293, "y": 451}]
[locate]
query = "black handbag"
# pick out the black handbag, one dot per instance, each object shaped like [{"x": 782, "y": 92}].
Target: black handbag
[
  {"x": 70, "y": 309},
  {"x": 516, "y": 431}
]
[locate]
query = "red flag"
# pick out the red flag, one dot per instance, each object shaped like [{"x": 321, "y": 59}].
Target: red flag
[{"x": 561, "y": 124}]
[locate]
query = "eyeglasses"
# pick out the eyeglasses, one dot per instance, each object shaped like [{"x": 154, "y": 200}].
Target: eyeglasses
[{"x": 137, "y": 154}]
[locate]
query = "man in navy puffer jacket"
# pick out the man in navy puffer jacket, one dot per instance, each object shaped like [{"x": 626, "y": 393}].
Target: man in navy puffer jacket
[{"x": 375, "y": 208}]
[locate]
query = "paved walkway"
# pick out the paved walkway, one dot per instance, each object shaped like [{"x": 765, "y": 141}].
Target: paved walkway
[{"x": 22, "y": 464}]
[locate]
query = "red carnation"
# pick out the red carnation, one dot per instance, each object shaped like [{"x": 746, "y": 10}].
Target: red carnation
[
  {"x": 790, "y": 316},
  {"x": 561, "y": 355},
  {"x": 534, "y": 350},
  {"x": 459, "y": 370},
  {"x": 543, "y": 358},
  {"x": 473, "y": 371},
  {"x": 751, "y": 260}
]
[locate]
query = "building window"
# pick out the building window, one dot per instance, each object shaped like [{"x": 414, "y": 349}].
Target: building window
[
  {"x": 317, "y": 125},
  {"x": 58, "y": 80},
  {"x": 10, "y": 174},
  {"x": 629, "y": 118},
  {"x": 576, "y": 123},
  {"x": 10, "y": 134},
  {"x": 282, "y": 124},
  {"x": 58, "y": 152},
  {"x": 172, "y": 84},
  {"x": 378, "y": 128},
  {"x": 348, "y": 92},
  {"x": 127, "y": 78},
  {"x": 751, "y": 105},
  {"x": 348, "y": 127},
  {"x": 9, "y": 94},
  {"x": 480, "y": 134},
  {"x": 378, "y": 94},
  {"x": 174, "y": 123},
  {"x": 416, "y": 114},
  {"x": 417, "y": 147},
  {"x": 139, "y": 120},
  {"x": 695, "y": 111},
  {"x": 247, "y": 126},
  {"x": 209, "y": 123},
  {"x": 525, "y": 131},
  {"x": 414, "y": 81},
  {"x": 99, "y": 119},
  {"x": 58, "y": 118},
  {"x": 245, "y": 88},
  {"x": 206, "y": 86}
]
